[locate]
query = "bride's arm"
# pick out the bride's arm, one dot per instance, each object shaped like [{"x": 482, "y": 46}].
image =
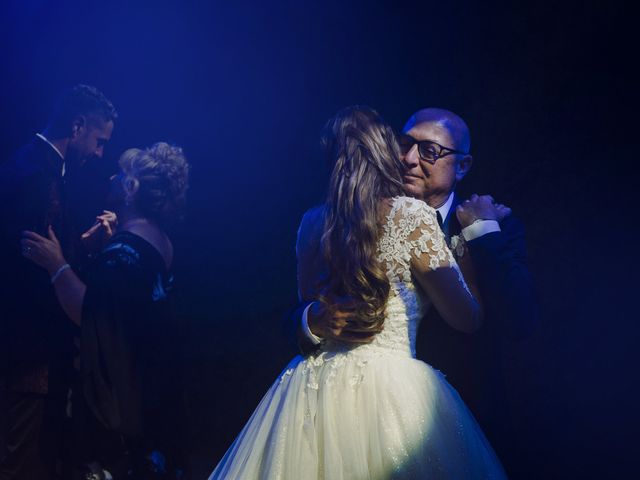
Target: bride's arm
[
  {"x": 454, "y": 303},
  {"x": 437, "y": 273}
]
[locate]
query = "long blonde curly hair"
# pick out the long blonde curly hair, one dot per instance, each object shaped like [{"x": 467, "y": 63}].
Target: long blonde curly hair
[{"x": 366, "y": 168}]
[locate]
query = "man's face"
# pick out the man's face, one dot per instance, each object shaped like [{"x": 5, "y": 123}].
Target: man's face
[
  {"x": 88, "y": 140},
  {"x": 431, "y": 182}
]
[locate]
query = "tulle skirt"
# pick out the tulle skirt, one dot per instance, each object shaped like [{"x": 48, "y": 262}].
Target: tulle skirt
[{"x": 360, "y": 414}]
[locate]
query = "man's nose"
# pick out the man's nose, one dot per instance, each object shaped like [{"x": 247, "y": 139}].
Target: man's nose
[
  {"x": 99, "y": 152},
  {"x": 411, "y": 159}
]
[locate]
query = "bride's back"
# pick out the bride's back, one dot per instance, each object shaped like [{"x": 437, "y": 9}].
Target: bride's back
[{"x": 404, "y": 225}]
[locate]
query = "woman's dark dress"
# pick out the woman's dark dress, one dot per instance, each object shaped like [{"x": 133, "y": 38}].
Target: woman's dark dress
[{"x": 130, "y": 357}]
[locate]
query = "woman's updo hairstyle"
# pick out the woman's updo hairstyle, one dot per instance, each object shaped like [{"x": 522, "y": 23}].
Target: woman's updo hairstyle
[{"x": 161, "y": 175}]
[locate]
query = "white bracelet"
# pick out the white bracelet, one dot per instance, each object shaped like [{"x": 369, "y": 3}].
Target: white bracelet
[{"x": 55, "y": 276}]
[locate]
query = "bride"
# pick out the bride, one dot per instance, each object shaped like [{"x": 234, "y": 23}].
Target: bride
[{"x": 368, "y": 411}]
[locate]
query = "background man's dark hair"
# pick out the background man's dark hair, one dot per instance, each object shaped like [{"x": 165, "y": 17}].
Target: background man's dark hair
[{"x": 81, "y": 100}]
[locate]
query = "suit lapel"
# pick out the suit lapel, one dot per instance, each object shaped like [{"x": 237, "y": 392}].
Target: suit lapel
[{"x": 451, "y": 225}]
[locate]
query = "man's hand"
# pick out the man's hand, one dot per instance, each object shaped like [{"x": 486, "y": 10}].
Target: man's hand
[
  {"x": 99, "y": 234},
  {"x": 333, "y": 324},
  {"x": 481, "y": 207}
]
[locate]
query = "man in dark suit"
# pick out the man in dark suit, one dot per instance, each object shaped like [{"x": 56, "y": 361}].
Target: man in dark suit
[
  {"x": 36, "y": 337},
  {"x": 435, "y": 146}
]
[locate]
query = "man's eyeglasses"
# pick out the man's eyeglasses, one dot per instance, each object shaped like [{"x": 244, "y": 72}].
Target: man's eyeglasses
[{"x": 428, "y": 150}]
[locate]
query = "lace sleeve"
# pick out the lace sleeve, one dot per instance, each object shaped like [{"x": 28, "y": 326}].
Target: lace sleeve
[
  {"x": 425, "y": 239},
  {"x": 414, "y": 242}
]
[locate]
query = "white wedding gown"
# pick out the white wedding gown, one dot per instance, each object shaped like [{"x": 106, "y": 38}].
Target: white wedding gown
[{"x": 372, "y": 411}]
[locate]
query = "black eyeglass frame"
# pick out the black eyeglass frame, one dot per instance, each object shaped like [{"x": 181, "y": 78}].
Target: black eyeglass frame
[{"x": 442, "y": 152}]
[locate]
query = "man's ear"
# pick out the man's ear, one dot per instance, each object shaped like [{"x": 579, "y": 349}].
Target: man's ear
[
  {"x": 79, "y": 123},
  {"x": 463, "y": 166},
  {"x": 131, "y": 186}
]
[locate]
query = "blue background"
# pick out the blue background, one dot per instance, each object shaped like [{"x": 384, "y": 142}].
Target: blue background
[{"x": 245, "y": 89}]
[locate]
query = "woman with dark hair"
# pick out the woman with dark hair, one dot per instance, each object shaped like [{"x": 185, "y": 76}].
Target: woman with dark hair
[
  {"x": 128, "y": 403},
  {"x": 368, "y": 410}
]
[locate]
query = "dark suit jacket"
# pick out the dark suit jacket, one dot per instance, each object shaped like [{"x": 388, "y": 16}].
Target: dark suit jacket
[
  {"x": 34, "y": 331},
  {"x": 506, "y": 285},
  {"x": 473, "y": 363}
]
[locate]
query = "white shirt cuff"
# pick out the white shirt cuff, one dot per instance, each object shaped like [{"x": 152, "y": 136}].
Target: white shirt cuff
[
  {"x": 316, "y": 340},
  {"x": 479, "y": 228}
]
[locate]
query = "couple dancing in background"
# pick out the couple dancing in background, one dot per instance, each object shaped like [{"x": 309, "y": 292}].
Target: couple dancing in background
[
  {"x": 125, "y": 414},
  {"x": 372, "y": 262},
  {"x": 106, "y": 288}
]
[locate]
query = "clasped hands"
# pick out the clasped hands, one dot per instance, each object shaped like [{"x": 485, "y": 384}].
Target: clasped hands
[
  {"x": 480, "y": 207},
  {"x": 100, "y": 232}
]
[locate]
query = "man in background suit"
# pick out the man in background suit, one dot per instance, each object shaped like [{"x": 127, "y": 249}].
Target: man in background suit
[
  {"x": 435, "y": 146},
  {"x": 36, "y": 338}
]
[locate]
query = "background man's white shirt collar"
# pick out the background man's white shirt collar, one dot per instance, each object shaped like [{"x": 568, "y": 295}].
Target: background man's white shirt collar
[{"x": 42, "y": 137}]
